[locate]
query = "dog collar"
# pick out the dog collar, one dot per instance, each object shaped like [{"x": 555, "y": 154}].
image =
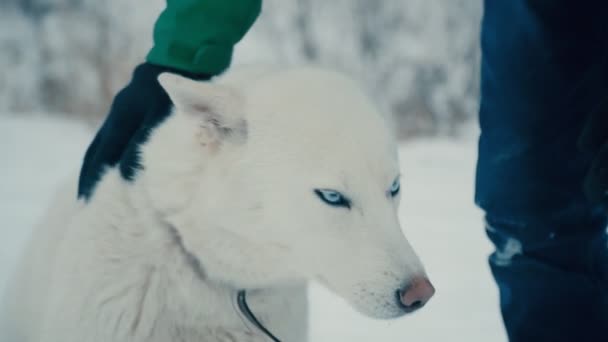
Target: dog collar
[{"x": 241, "y": 300}]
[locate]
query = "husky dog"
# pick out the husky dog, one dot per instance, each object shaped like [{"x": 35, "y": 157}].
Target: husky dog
[{"x": 250, "y": 188}]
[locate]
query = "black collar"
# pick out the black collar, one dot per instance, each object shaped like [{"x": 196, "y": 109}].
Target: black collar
[{"x": 244, "y": 308}]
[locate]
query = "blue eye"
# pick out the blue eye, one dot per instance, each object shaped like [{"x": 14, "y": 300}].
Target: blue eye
[
  {"x": 394, "y": 190},
  {"x": 333, "y": 198}
]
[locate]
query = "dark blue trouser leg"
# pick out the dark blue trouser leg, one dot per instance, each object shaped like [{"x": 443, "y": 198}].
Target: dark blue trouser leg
[{"x": 544, "y": 67}]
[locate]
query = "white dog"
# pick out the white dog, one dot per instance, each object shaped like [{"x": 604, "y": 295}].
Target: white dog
[{"x": 248, "y": 190}]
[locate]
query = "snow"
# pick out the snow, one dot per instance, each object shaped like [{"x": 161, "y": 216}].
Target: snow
[{"x": 437, "y": 212}]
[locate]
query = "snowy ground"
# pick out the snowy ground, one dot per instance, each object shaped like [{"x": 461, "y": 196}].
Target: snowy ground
[{"x": 437, "y": 212}]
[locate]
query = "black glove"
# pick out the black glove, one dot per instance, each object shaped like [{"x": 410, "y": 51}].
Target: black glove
[
  {"x": 594, "y": 140},
  {"x": 136, "y": 109}
]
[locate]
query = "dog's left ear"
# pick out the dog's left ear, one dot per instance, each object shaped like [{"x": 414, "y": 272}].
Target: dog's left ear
[{"x": 219, "y": 107}]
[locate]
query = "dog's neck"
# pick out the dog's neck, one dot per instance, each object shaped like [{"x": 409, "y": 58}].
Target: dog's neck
[{"x": 175, "y": 295}]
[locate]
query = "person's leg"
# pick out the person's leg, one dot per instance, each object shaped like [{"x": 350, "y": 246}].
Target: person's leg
[{"x": 544, "y": 67}]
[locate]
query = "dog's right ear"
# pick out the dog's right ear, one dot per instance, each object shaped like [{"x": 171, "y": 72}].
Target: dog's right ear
[{"x": 220, "y": 108}]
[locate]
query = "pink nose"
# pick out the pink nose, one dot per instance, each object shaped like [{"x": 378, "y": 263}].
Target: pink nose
[{"x": 416, "y": 294}]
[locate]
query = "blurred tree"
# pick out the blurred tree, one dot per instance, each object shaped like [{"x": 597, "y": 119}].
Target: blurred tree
[{"x": 418, "y": 58}]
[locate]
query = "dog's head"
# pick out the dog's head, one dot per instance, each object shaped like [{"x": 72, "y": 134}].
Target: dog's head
[{"x": 292, "y": 177}]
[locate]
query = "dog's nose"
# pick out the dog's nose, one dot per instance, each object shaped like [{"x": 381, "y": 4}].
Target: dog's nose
[{"x": 416, "y": 294}]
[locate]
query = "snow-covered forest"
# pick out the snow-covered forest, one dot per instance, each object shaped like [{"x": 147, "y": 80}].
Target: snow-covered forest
[{"x": 418, "y": 58}]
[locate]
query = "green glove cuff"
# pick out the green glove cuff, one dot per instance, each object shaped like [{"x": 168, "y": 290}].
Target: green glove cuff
[
  {"x": 206, "y": 59},
  {"x": 198, "y": 36}
]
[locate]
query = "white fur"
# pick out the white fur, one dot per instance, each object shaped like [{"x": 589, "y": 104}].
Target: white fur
[{"x": 225, "y": 202}]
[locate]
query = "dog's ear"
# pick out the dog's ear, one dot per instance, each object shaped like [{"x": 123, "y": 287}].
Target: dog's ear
[{"x": 219, "y": 107}]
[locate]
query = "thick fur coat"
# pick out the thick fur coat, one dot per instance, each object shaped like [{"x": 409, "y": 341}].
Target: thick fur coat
[{"x": 260, "y": 181}]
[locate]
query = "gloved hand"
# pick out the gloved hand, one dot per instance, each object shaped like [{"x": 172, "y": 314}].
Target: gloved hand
[
  {"x": 594, "y": 140},
  {"x": 136, "y": 109}
]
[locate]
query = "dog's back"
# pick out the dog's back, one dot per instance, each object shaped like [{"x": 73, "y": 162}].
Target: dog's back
[{"x": 24, "y": 301}]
